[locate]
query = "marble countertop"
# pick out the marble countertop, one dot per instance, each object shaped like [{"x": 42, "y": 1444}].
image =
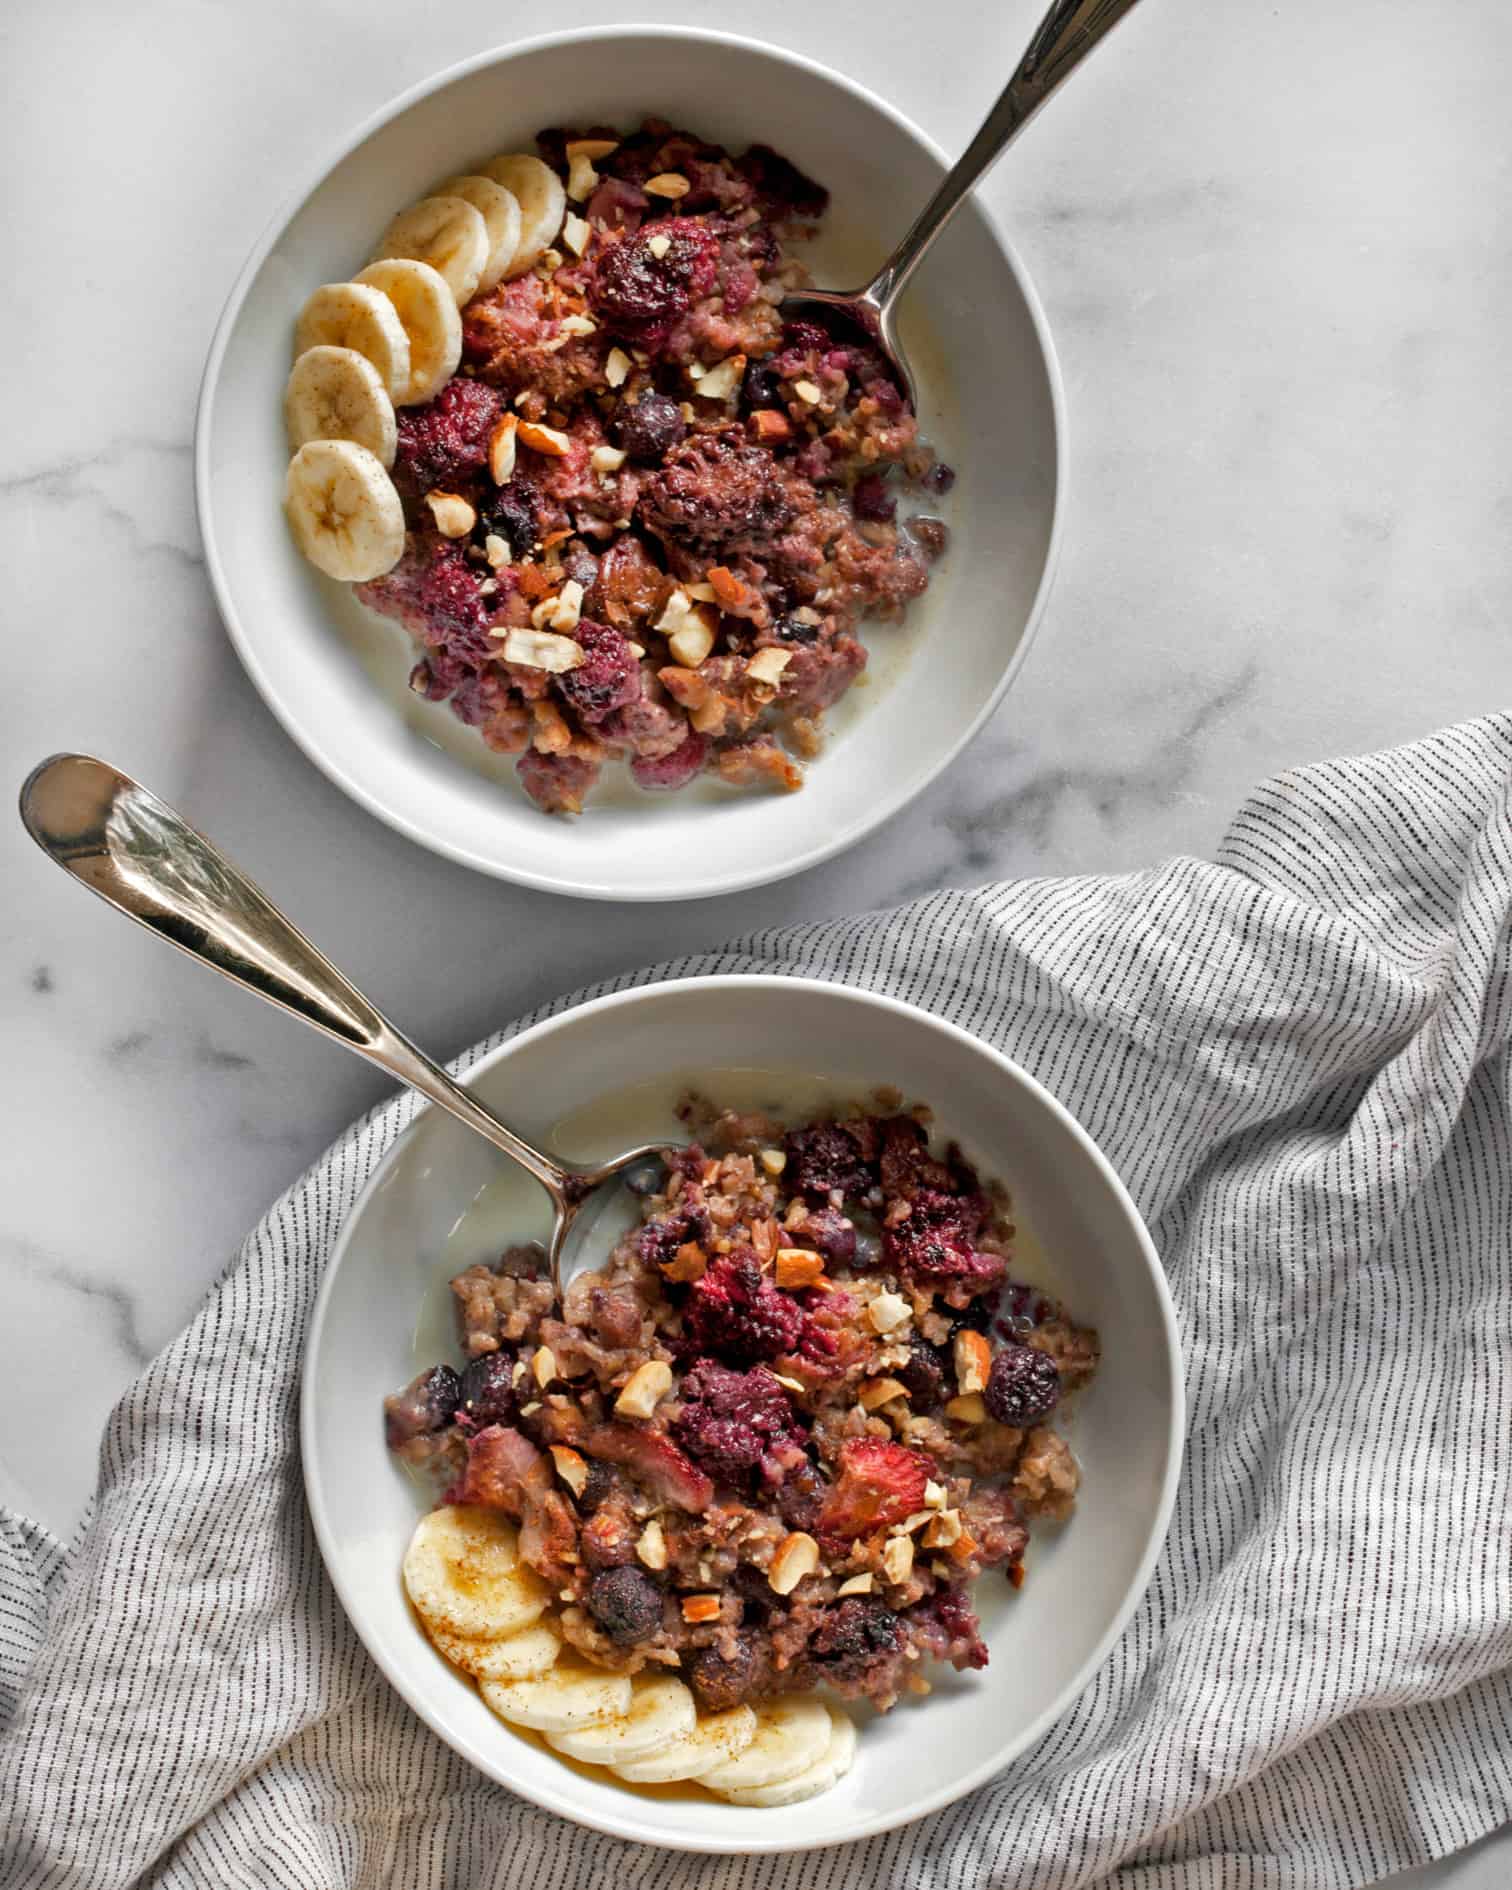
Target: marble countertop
[{"x": 1271, "y": 244}]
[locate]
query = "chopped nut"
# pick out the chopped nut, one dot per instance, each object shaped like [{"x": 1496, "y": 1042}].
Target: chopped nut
[
  {"x": 575, "y": 232},
  {"x": 700, "y": 1607},
  {"x": 945, "y": 1529},
  {"x": 550, "y": 263},
  {"x": 659, "y": 245},
  {"x": 897, "y": 1559},
  {"x": 543, "y": 1365},
  {"x": 517, "y": 1373},
  {"x": 887, "y": 1312},
  {"x": 721, "y": 381},
  {"x": 646, "y": 1386},
  {"x": 693, "y": 641},
  {"x": 544, "y": 439},
  {"x": 797, "y": 1267},
  {"x": 496, "y": 550},
  {"x": 591, "y": 148},
  {"x": 702, "y": 593},
  {"x": 542, "y": 649},
  {"x": 579, "y": 325},
  {"x": 916, "y": 1683},
  {"x": 696, "y": 370},
  {"x": 569, "y": 606},
  {"x": 606, "y": 459},
  {"x": 488, "y": 587},
  {"x": 582, "y": 178},
  {"x": 797, "y": 1555},
  {"x": 935, "y": 1496},
  {"x": 857, "y": 1585},
  {"x": 968, "y": 1409},
  {"x": 671, "y": 184},
  {"x": 651, "y": 1547},
  {"x": 805, "y": 613},
  {"x": 637, "y": 650},
  {"x": 570, "y": 1467},
  {"x": 501, "y": 449},
  {"x": 911, "y": 1524},
  {"x": 773, "y": 1160},
  {"x": 529, "y": 1410},
  {"x": 790, "y": 1384},
  {"x": 879, "y": 1391},
  {"x": 770, "y": 426},
  {"x": 454, "y": 517},
  {"x": 973, "y": 1360},
  {"x": 617, "y": 367},
  {"x": 808, "y": 392},
  {"x": 766, "y": 666}
]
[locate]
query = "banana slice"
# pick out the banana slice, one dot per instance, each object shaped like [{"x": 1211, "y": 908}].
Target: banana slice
[
  {"x": 716, "y": 1738},
  {"x": 519, "y": 1656},
  {"x": 790, "y": 1736},
  {"x": 827, "y": 1770},
  {"x": 353, "y": 315},
  {"x": 542, "y": 200},
  {"x": 337, "y": 394},
  {"x": 462, "y": 1568},
  {"x": 446, "y": 232},
  {"x": 500, "y": 212},
  {"x": 343, "y": 510},
  {"x": 661, "y": 1709},
  {"x": 428, "y": 318},
  {"x": 558, "y": 1701}
]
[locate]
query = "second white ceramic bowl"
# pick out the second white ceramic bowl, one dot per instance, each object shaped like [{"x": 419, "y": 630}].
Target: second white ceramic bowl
[
  {"x": 335, "y": 675},
  {"x": 384, "y": 1311}
]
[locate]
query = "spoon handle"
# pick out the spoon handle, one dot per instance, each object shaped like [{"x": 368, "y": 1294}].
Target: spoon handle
[
  {"x": 147, "y": 861},
  {"x": 1065, "y": 36}
]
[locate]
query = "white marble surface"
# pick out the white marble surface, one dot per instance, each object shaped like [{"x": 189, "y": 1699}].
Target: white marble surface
[{"x": 1272, "y": 244}]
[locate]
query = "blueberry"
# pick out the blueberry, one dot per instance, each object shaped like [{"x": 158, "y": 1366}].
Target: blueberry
[
  {"x": 426, "y": 1404},
  {"x": 649, "y": 428},
  {"x": 762, "y": 386},
  {"x": 1023, "y": 1386},
  {"x": 487, "y": 1391},
  {"x": 626, "y": 1603},
  {"x": 923, "y": 1374}
]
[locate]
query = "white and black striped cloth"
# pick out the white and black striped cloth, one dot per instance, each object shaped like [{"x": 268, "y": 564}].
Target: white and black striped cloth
[{"x": 1297, "y": 1059}]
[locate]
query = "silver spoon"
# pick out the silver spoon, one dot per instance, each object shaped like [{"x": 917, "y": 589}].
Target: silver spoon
[
  {"x": 142, "y": 858},
  {"x": 1066, "y": 35}
]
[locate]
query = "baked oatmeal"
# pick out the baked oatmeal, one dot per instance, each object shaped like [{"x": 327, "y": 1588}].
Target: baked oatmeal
[{"x": 774, "y": 1441}]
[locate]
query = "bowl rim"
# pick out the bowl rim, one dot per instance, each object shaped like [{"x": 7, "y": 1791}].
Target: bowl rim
[
  {"x": 289, "y": 714},
  {"x": 632, "y": 1826}
]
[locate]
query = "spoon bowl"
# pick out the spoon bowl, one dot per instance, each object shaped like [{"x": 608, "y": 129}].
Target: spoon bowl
[{"x": 132, "y": 849}]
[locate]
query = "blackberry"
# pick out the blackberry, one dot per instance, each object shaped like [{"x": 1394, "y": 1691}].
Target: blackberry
[
  {"x": 487, "y": 1392},
  {"x": 1023, "y": 1386},
  {"x": 735, "y": 1312}
]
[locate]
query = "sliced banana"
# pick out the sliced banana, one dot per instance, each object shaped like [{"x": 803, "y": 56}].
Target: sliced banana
[
  {"x": 446, "y": 232},
  {"x": 337, "y": 394},
  {"x": 558, "y": 1701},
  {"x": 790, "y": 1736},
  {"x": 428, "y": 318},
  {"x": 661, "y": 1709},
  {"x": 542, "y": 200},
  {"x": 343, "y": 510},
  {"x": 357, "y": 316},
  {"x": 519, "y": 1656},
  {"x": 462, "y": 1568},
  {"x": 827, "y": 1770},
  {"x": 716, "y": 1739},
  {"x": 500, "y": 211}
]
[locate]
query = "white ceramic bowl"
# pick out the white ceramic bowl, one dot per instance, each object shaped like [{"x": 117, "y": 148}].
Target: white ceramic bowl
[
  {"x": 383, "y": 1310},
  {"x": 335, "y": 675}
]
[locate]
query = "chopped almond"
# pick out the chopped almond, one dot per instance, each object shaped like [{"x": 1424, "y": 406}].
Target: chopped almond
[
  {"x": 944, "y": 1530},
  {"x": 646, "y": 1386},
  {"x": 545, "y": 440},
  {"x": 766, "y": 667},
  {"x": 722, "y": 380},
  {"x": 651, "y": 1546},
  {"x": 887, "y": 1311},
  {"x": 570, "y": 1467},
  {"x": 808, "y": 393},
  {"x": 700, "y": 1608},
  {"x": 617, "y": 367},
  {"x": 773, "y": 1160},
  {"x": 582, "y": 178},
  {"x": 659, "y": 245},
  {"x": 543, "y": 649},
  {"x": 576, "y": 231},
  {"x": 454, "y": 517},
  {"x": 879, "y": 1391},
  {"x": 973, "y": 1360},
  {"x": 606, "y": 459},
  {"x": 496, "y": 550},
  {"x": 669, "y": 184},
  {"x": 857, "y": 1585},
  {"x": 730, "y": 592},
  {"x": 967, "y": 1409},
  {"x": 501, "y": 449},
  {"x": 798, "y": 1267},
  {"x": 543, "y": 1365},
  {"x": 897, "y": 1559},
  {"x": 770, "y": 427},
  {"x": 797, "y": 1555},
  {"x": 591, "y": 148}
]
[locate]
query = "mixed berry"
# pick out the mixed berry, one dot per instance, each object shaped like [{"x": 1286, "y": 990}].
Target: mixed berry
[{"x": 775, "y": 1441}]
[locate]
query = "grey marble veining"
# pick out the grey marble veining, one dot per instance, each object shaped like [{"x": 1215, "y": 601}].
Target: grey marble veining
[{"x": 1272, "y": 243}]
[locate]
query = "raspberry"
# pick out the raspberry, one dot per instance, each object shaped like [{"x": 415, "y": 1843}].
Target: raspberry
[
  {"x": 445, "y": 442},
  {"x": 672, "y": 770},
  {"x": 825, "y": 1159},
  {"x": 607, "y": 679},
  {"x": 1023, "y": 1386},
  {"x": 736, "y": 1313},
  {"x": 827, "y": 1231},
  {"x": 879, "y": 1484},
  {"x": 487, "y": 1395},
  {"x": 424, "y": 1405},
  {"x": 626, "y": 1603},
  {"x": 640, "y": 294},
  {"x": 934, "y": 1246},
  {"x": 739, "y": 1425}
]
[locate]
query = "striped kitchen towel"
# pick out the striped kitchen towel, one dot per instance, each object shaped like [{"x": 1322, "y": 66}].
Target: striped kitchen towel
[{"x": 1297, "y": 1059}]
